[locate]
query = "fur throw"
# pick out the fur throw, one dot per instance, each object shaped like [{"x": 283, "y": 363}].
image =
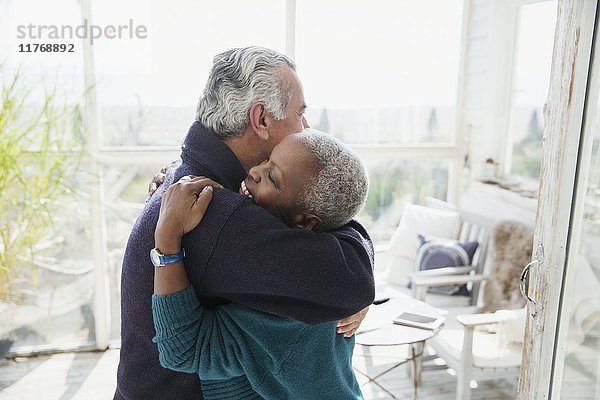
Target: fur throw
[{"x": 512, "y": 249}]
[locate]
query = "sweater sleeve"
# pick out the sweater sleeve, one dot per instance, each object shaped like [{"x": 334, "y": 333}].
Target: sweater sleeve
[
  {"x": 321, "y": 357},
  {"x": 307, "y": 276},
  {"x": 278, "y": 356},
  {"x": 328, "y": 355},
  {"x": 192, "y": 339},
  {"x": 229, "y": 341}
]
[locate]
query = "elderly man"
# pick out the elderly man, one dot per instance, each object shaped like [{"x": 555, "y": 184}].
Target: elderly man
[{"x": 252, "y": 100}]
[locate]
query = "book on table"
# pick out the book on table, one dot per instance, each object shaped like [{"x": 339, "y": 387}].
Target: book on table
[{"x": 418, "y": 320}]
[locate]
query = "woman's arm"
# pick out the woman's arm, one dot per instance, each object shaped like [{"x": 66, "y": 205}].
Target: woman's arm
[
  {"x": 190, "y": 338},
  {"x": 227, "y": 342},
  {"x": 182, "y": 208},
  {"x": 196, "y": 340}
]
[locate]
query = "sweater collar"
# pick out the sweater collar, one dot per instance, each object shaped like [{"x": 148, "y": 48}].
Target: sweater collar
[{"x": 204, "y": 151}]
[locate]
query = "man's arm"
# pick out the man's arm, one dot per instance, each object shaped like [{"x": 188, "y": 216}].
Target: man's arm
[
  {"x": 336, "y": 295},
  {"x": 259, "y": 262}
]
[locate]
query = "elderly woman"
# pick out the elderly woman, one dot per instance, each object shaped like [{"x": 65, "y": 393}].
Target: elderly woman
[{"x": 311, "y": 181}]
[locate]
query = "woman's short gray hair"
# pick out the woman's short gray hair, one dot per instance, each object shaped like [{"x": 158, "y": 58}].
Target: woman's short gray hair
[
  {"x": 238, "y": 79},
  {"x": 339, "y": 189}
]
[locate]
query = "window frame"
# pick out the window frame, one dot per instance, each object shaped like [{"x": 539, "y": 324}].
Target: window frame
[{"x": 512, "y": 19}]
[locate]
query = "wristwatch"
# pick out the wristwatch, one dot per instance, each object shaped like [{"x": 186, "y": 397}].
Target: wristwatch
[{"x": 160, "y": 260}]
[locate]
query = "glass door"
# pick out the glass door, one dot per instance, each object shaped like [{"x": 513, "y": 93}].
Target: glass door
[
  {"x": 577, "y": 363},
  {"x": 576, "y": 372}
]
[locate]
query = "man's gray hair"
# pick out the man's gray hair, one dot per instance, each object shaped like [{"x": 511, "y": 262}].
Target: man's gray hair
[
  {"x": 339, "y": 190},
  {"x": 238, "y": 79}
]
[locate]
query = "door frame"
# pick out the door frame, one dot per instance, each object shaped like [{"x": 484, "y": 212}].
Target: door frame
[{"x": 563, "y": 114}]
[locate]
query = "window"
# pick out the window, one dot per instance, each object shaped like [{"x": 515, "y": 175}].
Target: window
[
  {"x": 384, "y": 79},
  {"x": 531, "y": 78},
  {"x": 148, "y": 89},
  {"x": 394, "y": 183},
  {"x": 47, "y": 281},
  {"x": 382, "y": 71},
  {"x": 380, "y": 74}
]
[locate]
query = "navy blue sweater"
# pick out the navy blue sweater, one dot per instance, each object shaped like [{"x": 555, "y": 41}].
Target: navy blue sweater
[{"x": 243, "y": 254}]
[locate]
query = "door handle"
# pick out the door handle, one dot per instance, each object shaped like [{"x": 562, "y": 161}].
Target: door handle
[{"x": 539, "y": 255}]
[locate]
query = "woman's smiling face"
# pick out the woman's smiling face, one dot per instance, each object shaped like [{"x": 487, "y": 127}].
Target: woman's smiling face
[{"x": 276, "y": 183}]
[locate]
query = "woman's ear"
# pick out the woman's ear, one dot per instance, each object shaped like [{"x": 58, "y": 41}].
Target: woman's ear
[
  {"x": 308, "y": 221},
  {"x": 258, "y": 113}
]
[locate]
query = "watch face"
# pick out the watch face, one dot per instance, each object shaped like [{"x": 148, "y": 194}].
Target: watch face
[{"x": 155, "y": 257}]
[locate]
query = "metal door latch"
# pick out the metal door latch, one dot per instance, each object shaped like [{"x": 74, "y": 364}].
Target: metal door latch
[{"x": 539, "y": 255}]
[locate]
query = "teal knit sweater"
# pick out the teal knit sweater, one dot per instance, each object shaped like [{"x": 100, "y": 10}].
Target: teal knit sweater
[{"x": 238, "y": 352}]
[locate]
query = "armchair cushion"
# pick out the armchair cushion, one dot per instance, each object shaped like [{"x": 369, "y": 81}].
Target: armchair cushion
[
  {"x": 487, "y": 350},
  {"x": 440, "y": 253},
  {"x": 398, "y": 270},
  {"x": 404, "y": 242},
  {"x": 511, "y": 325}
]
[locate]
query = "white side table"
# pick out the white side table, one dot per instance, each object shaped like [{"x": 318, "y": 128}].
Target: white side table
[{"x": 378, "y": 329}]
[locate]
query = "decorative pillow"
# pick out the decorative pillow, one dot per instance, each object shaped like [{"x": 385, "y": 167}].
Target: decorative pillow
[
  {"x": 439, "y": 253},
  {"x": 404, "y": 242}
]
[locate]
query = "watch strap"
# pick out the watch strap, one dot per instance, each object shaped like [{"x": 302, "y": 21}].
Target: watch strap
[
  {"x": 172, "y": 259},
  {"x": 164, "y": 260}
]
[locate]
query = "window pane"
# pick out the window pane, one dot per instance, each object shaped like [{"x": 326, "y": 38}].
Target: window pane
[
  {"x": 581, "y": 371},
  {"x": 125, "y": 194},
  {"x": 46, "y": 274},
  {"x": 531, "y": 80},
  {"x": 47, "y": 282},
  {"x": 394, "y": 183},
  {"x": 380, "y": 71},
  {"x": 148, "y": 88},
  {"x": 55, "y": 70}
]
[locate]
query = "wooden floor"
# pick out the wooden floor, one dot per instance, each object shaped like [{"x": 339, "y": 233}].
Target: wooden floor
[
  {"x": 92, "y": 375},
  {"x": 89, "y": 376},
  {"x": 437, "y": 382}
]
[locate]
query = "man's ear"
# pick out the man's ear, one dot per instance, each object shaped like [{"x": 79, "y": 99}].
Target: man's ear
[
  {"x": 258, "y": 114},
  {"x": 307, "y": 221}
]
